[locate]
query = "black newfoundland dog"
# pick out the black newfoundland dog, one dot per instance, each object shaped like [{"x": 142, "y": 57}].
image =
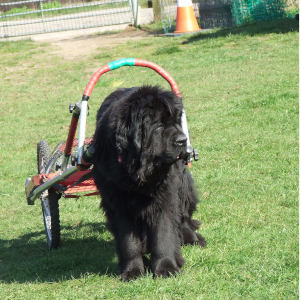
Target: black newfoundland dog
[{"x": 147, "y": 194}]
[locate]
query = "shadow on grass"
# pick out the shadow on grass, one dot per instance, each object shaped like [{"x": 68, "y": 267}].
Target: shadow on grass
[
  {"x": 280, "y": 26},
  {"x": 27, "y": 259}
]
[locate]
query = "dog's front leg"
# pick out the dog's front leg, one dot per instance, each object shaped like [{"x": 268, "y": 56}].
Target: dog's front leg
[
  {"x": 166, "y": 257},
  {"x": 129, "y": 249}
]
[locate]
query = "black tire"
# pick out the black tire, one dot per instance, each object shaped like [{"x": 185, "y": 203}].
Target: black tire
[
  {"x": 51, "y": 218},
  {"x": 43, "y": 156},
  {"x": 49, "y": 200}
]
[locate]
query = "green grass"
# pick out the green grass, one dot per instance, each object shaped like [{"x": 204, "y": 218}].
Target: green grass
[{"x": 240, "y": 92}]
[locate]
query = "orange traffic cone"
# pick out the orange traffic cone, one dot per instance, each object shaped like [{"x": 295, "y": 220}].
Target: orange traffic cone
[{"x": 186, "y": 20}]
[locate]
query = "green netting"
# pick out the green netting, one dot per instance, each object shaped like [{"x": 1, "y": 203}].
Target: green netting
[{"x": 246, "y": 11}]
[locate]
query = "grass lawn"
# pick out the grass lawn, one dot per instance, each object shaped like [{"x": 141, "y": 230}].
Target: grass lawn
[{"x": 240, "y": 91}]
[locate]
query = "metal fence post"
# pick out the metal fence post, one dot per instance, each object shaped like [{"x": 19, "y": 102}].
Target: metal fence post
[
  {"x": 4, "y": 27},
  {"x": 42, "y": 14},
  {"x": 157, "y": 11},
  {"x": 134, "y": 7}
]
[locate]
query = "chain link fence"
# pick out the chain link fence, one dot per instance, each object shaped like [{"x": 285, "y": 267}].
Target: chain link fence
[
  {"x": 246, "y": 11},
  {"x": 43, "y": 16}
]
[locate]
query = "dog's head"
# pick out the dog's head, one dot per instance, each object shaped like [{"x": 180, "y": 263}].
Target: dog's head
[{"x": 149, "y": 137}]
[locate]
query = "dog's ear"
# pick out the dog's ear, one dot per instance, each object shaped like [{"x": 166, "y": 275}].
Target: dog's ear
[
  {"x": 136, "y": 130},
  {"x": 129, "y": 131},
  {"x": 121, "y": 135}
]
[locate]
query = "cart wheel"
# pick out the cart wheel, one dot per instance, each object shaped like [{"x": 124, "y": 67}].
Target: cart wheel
[
  {"x": 43, "y": 156},
  {"x": 51, "y": 217},
  {"x": 49, "y": 200}
]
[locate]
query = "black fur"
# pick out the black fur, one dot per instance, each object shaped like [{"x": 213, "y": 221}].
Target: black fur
[{"x": 147, "y": 194}]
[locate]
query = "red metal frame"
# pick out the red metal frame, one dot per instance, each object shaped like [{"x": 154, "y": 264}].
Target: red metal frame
[
  {"x": 160, "y": 71},
  {"x": 87, "y": 185},
  {"x": 71, "y": 135},
  {"x": 138, "y": 63}
]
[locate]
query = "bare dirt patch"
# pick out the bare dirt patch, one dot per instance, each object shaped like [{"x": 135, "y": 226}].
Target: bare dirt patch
[{"x": 87, "y": 44}]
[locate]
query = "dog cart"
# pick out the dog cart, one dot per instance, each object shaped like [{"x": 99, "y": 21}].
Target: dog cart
[{"x": 66, "y": 171}]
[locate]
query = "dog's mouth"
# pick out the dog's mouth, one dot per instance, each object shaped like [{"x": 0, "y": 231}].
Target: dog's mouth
[
  {"x": 173, "y": 157},
  {"x": 182, "y": 155}
]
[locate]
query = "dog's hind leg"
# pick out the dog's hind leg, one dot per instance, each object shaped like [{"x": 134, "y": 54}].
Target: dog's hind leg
[
  {"x": 189, "y": 236},
  {"x": 188, "y": 202}
]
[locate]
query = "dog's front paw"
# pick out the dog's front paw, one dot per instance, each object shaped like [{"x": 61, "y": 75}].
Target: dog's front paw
[
  {"x": 131, "y": 274},
  {"x": 165, "y": 267},
  {"x": 133, "y": 270}
]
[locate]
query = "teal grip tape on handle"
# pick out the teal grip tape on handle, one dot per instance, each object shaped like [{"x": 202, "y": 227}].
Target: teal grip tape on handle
[{"x": 121, "y": 62}]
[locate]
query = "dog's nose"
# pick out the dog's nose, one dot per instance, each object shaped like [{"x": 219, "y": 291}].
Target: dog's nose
[{"x": 181, "y": 140}]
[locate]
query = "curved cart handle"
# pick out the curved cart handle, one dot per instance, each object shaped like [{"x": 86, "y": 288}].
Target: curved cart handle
[
  {"x": 130, "y": 62},
  {"x": 115, "y": 65}
]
